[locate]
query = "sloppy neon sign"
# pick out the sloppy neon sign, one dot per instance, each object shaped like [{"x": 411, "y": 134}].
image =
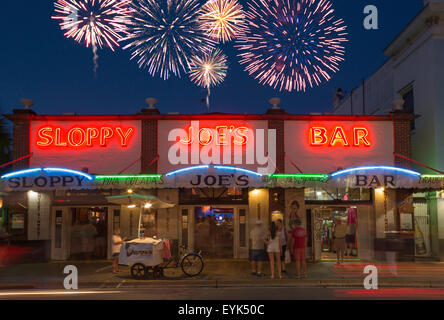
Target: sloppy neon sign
[
  {"x": 221, "y": 136},
  {"x": 321, "y": 136},
  {"x": 82, "y": 137}
]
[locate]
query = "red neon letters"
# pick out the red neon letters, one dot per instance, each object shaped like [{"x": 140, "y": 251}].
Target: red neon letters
[
  {"x": 79, "y": 137},
  {"x": 320, "y": 136},
  {"x": 221, "y": 135}
]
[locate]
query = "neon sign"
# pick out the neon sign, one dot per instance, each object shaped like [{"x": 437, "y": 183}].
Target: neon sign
[
  {"x": 213, "y": 176},
  {"x": 26, "y": 172},
  {"x": 320, "y": 136},
  {"x": 369, "y": 168},
  {"x": 221, "y": 135},
  {"x": 46, "y": 178},
  {"x": 80, "y": 137}
]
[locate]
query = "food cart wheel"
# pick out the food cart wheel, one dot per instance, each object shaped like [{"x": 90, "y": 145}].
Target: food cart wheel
[
  {"x": 138, "y": 271},
  {"x": 192, "y": 264}
]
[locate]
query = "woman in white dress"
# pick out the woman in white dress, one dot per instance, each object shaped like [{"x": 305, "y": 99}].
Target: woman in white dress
[{"x": 274, "y": 247}]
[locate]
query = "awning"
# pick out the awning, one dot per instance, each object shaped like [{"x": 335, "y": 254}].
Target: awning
[{"x": 218, "y": 176}]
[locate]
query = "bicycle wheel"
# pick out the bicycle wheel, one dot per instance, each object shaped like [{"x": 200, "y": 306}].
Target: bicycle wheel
[
  {"x": 192, "y": 264},
  {"x": 138, "y": 271}
]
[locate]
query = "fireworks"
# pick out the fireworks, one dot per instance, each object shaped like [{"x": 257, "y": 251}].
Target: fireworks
[
  {"x": 209, "y": 70},
  {"x": 94, "y": 22},
  {"x": 165, "y": 34},
  {"x": 292, "y": 43},
  {"x": 222, "y": 19}
]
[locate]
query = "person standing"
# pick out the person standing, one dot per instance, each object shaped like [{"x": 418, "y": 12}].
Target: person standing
[
  {"x": 339, "y": 239},
  {"x": 274, "y": 247},
  {"x": 350, "y": 237},
  {"x": 117, "y": 242},
  {"x": 294, "y": 212},
  {"x": 281, "y": 228},
  {"x": 257, "y": 252},
  {"x": 299, "y": 236}
]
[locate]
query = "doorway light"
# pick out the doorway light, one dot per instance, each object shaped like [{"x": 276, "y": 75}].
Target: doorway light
[{"x": 255, "y": 192}]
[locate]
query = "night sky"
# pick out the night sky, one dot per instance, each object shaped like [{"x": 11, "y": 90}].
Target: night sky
[{"x": 37, "y": 62}]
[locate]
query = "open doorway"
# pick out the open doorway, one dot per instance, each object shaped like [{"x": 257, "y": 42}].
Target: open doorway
[
  {"x": 214, "y": 231},
  {"x": 88, "y": 233},
  {"x": 326, "y": 220}
]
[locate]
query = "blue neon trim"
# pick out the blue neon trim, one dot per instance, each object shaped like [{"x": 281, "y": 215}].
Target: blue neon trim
[
  {"x": 187, "y": 169},
  {"x": 238, "y": 169},
  {"x": 18, "y": 173},
  {"x": 411, "y": 172},
  {"x": 87, "y": 176}
]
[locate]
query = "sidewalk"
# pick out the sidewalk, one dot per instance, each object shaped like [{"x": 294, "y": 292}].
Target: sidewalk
[{"x": 222, "y": 273}]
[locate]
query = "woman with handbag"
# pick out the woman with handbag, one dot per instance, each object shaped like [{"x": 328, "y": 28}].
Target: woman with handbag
[{"x": 274, "y": 248}]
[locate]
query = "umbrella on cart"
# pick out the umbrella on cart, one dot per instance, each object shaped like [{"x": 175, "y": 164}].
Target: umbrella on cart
[{"x": 133, "y": 200}]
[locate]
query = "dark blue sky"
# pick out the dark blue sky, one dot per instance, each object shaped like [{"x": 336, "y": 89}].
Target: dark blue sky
[{"x": 37, "y": 62}]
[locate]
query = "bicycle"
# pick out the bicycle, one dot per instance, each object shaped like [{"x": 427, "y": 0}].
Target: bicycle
[{"x": 191, "y": 263}]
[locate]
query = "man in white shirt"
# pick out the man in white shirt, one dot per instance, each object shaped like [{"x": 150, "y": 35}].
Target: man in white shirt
[
  {"x": 117, "y": 242},
  {"x": 257, "y": 251}
]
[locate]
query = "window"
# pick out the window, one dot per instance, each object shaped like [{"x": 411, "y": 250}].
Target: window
[
  {"x": 213, "y": 196},
  {"x": 116, "y": 220},
  {"x": 242, "y": 228},
  {"x": 185, "y": 227},
  {"x": 340, "y": 195},
  {"x": 3, "y": 220},
  {"x": 58, "y": 229}
]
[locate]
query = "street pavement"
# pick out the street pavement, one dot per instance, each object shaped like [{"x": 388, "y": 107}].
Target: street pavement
[{"x": 223, "y": 274}]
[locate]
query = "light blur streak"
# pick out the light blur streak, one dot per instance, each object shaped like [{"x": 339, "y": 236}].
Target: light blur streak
[
  {"x": 389, "y": 293},
  {"x": 292, "y": 44},
  {"x": 95, "y": 59},
  {"x": 164, "y": 34},
  {"x": 222, "y": 20},
  {"x": 66, "y": 292}
]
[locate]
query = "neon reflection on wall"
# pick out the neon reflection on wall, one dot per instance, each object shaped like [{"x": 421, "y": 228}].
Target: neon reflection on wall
[
  {"x": 321, "y": 136},
  {"x": 83, "y": 137}
]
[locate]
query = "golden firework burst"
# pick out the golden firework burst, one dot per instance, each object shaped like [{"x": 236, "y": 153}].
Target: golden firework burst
[{"x": 222, "y": 19}]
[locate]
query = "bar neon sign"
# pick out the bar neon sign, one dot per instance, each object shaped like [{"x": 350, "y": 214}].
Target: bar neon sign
[
  {"x": 321, "y": 136},
  {"x": 77, "y": 137},
  {"x": 368, "y": 168}
]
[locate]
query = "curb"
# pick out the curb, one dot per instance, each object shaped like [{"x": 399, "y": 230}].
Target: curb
[{"x": 225, "y": 284}]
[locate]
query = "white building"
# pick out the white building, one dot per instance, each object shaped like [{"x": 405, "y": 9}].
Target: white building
[{"x": 413, "y": 79}]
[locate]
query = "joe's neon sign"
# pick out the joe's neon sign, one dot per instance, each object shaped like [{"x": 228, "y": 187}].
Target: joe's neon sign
[
  {"x": 221, "y": 136},
  {"x": 357, "y": 137},
  {"x": 225, "y": 144},
  {"x": 83, "y": 137}
]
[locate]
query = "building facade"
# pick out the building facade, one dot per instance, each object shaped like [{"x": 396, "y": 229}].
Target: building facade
[{"x": 222, "y": 172}]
